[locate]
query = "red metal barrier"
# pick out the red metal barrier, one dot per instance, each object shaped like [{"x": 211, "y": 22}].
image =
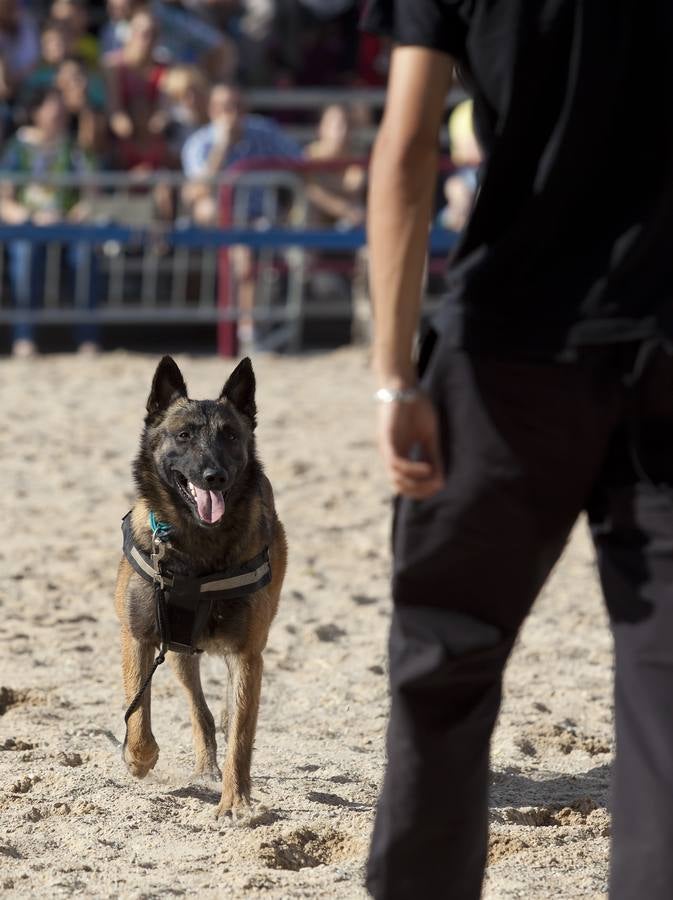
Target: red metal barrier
[
  {"x": 227, "y": 338},
  {"x": 227, "y": 332}
]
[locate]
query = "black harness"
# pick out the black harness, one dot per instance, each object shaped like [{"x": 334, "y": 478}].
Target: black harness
[{"x": 184, "y": 604}]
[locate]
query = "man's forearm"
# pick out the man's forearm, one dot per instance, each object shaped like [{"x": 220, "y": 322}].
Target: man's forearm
[
  {"x": 399, "y": 211},
  {"x": 402, "y": 181}
]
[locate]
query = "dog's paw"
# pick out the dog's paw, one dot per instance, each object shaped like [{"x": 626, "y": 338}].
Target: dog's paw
[
  {"x": 139, "y": 764},
  {"x": 207, "y": 774},
  {"x": 251, "y": 814},
  {"x": 235, "y": 805},
  {"x": 255, "y": 814}
]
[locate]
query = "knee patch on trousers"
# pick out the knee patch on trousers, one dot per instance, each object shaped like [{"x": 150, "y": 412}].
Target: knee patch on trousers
[
  {"x": 443, "y": 662},
  {"x": 431, "y": 647}
]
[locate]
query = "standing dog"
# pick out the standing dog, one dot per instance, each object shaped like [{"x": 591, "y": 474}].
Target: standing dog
[{"x": 198, "y": 476}]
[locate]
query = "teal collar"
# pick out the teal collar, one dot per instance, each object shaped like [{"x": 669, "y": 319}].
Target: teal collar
[{"x": 160, "y": 530}]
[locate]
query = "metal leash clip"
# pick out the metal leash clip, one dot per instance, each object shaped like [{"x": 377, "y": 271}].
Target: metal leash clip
[{"x": 158, "y": 553}]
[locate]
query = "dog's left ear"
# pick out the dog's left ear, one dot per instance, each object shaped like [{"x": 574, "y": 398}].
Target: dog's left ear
[{"x": 240, "y": 390}]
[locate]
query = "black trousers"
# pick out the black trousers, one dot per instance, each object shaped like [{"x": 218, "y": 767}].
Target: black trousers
[{"x": 528, "y": 447}]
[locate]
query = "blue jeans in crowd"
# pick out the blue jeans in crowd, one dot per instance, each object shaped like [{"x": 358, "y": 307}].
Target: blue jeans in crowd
[{"x": 27, "y": 270}]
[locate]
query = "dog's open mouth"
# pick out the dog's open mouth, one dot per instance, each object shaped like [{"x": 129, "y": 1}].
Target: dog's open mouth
[{"x": 209, "y": 505}]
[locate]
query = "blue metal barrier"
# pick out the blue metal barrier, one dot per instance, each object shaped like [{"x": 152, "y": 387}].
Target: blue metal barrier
[
  {"x": 283, "y": 321},
  {"x": 441, "y": 241}
]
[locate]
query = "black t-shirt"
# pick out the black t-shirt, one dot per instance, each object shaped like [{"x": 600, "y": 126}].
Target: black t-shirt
[{"x": 571, "y": 238}]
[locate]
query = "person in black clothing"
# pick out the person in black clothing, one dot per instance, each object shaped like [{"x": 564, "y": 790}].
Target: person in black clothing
[{"x": 545, "y": 391}]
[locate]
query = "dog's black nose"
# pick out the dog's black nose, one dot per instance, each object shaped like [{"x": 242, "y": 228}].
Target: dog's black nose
[{"x": 216, "y": 479}]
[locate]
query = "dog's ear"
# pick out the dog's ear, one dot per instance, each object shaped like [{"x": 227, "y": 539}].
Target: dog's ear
[
  {"x": 240, "y": 390},
  {"x": 167, "y": 385}
]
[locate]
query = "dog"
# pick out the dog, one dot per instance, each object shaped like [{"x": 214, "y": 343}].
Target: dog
[{"x": 197, "y": 473}]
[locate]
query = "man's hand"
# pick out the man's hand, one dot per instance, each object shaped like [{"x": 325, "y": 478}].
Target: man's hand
[{"x": 406, "y": 429}]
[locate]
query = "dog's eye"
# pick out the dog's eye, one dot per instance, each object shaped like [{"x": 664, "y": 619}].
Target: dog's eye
[
  {"x": 184, "y": 436},
  {"x": 230, "y": 434}
]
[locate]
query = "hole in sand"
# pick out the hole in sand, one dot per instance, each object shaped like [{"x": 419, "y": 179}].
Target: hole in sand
[
  {"x": 9, "y": 697},
  {"x": 305, "y": 848},
  {"x": 575, "y": 813}
]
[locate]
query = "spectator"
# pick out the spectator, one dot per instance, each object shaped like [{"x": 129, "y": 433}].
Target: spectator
[
  {"x": 465, "y": 149},
  {"x": 461, "y": 186},
  {"x": 254, "y": 30},
  {"x": 317, "y": 40},
  {"x": 185, "y": 37},
  {"x": 44, "y": 148},
  {"x": 252, "y": 24},
  {"x": 6, "y": 103},
  {"x": 185, "y": 92},
  {"x": 55, "y": 45},
  {"x": 231, "y": 137},
  {"x": 225, "y": 14},
  {"x": 86, "y": 120},
  {"x": 19, "y": 40},
  {"x": 74, "y": 16},
  {"x": 115, "y": 31},
  {"x": 337, "y": 196},
  {"x": 373, "y": 60},
  {"x": 58, "y": 47},
  {"x": 136, "y": 118}
]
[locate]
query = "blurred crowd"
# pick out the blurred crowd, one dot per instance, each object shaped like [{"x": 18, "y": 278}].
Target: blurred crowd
[
  {"x": 155, "y": 86},
  {"x": 144, "y": 87},
  {"x": 134, "y": 77}
]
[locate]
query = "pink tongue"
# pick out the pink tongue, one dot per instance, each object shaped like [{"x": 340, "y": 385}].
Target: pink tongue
[{"x": 210, "y": 504}]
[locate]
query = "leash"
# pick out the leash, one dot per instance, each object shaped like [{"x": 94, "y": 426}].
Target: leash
[
  {"x": 160, "y": 542},
  {"x": 135, "y": 703}
]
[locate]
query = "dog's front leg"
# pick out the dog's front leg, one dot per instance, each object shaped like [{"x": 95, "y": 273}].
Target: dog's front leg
[
  {"x": 187, "y": 670},
  {"x": 140, "y": 751},
  {"x": 236, "y": 771}
]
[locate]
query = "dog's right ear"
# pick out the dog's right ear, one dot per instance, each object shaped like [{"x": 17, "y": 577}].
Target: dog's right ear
[{"x": 167, "y": 385}]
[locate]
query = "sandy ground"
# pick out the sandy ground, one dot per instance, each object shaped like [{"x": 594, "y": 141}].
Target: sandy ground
[{"x": 72, "y": 821}]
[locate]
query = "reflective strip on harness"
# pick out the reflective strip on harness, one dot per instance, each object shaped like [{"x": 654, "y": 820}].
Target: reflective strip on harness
[
  {"x": 142, "y": 562},
  {"x": 237, "y": 581}
]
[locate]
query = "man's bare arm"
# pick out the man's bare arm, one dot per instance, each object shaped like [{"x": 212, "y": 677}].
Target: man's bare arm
[{"x": 403, "y": 176}]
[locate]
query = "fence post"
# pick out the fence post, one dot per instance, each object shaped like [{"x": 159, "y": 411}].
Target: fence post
[{"x": 227, "y": 332}]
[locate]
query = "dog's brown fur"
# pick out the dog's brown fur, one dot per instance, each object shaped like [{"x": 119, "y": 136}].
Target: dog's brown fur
[{"x": 239, "y": 630}]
